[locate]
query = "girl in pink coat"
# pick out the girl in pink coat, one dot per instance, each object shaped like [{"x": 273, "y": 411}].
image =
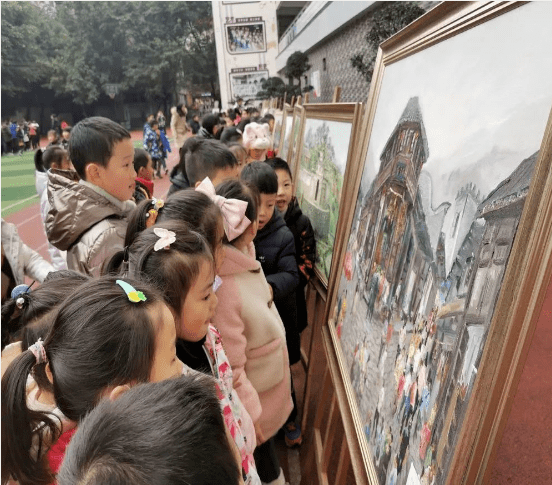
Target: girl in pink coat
[{"x": 254, "y": 336}]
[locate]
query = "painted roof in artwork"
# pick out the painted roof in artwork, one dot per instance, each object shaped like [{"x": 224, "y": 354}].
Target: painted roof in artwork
[
  {"x": 412, "y": 113},
  {"x": 511, "y": 189}
]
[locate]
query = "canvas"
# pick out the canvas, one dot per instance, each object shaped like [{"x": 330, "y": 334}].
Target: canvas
[
  {"x": 455, "y": 141},
  {"x": 286, "y": 133},
  {"x": 294, "y": 137}
]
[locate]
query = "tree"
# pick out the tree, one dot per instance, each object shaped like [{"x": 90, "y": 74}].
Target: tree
[
  {"x": 296, "y": 66},
  {"x": 28, "y": 34},
  {"x": 388, "y": 20},
  {"x": 273, "y": 87}
]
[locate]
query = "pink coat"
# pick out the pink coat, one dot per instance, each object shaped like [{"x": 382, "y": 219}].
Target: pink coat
[{"x": 254, "y": 340}]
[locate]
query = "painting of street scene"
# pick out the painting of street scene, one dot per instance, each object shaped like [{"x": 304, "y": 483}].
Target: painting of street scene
[
  {"x": 320, "y": 179},
  {"x": 447, "y": 172},
  {"x": 288, "y": 121}
]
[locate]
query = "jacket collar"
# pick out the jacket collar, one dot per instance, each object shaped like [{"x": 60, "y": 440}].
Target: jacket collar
[{"x": 237, "y": 262}]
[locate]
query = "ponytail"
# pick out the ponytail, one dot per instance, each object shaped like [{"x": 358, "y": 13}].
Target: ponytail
[{"x": 20, "y": 425}]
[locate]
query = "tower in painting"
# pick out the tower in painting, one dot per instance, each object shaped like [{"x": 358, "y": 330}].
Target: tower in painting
[{"x": 387, "y": 214}]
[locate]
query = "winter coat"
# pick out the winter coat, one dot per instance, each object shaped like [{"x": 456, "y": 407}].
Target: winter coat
[
  {"x": 152, "y": 144},
  {"x": 275, "y": 248},
  {"x": 234, "y": 412},
  {"x": 86, "y": 222},
  {"x": 179, "y": 182},
  {"x": 203, "y": 133},
  {"x": 254, "y": 338},
  {"x": 305, "y": 255},
  {"x": 57, "y": 257},
  {"x": 22, "y": 259},
  {"x": 179, "y": 128}
]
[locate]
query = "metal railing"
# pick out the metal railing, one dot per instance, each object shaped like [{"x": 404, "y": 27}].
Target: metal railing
[{"x": 308, "y": 12}]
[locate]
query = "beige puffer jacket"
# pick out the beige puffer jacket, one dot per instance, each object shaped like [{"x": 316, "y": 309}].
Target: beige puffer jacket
[
  {"x": 83, "y": 222},
  {"x": 180, "y": 129}
]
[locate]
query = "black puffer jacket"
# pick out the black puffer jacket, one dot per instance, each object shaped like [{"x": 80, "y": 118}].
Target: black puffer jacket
[
  {"x": 275, "y": 250},
  {"x": 179, "y": 182},
  {"x": 305, "y": 255}
]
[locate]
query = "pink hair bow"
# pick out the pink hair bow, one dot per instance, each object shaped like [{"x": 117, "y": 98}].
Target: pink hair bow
[{"x": 233, "y": 210}]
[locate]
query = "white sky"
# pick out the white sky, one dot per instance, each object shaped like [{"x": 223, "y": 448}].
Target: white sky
[{"x": 490, "y": 86}]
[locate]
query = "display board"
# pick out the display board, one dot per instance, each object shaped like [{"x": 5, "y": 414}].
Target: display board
[{"x": 448, "y": 249}]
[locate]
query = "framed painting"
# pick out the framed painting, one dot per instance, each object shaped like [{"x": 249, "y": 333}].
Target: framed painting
[
  {"x": 285, "y": 133},
  {"x": 325, "y": 148},
  {"x": 295, "y": 137},
  {"x": 448, "y": 246},
  {"x": 277, "y": 131}
]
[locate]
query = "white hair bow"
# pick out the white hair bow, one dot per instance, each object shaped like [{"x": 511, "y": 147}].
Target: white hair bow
[{"x": 166, "y": 238}]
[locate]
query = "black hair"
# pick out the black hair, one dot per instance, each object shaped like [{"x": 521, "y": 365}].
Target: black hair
[
  {"x": 232, "y": 114},
  {"x": 279, "y": 164},
  {"x": 251, "y": 110},
  {"x": 43, "y": 159},
  {"x": 243, "y": 123},
  {"x": 262, "y": 176},
  {"x": 141, "y": 159},
  {"x": 93, "y": 140},
  {"x": 202, "y": 157},
  {"x": 267, "y": 117},
  {"x": 67, "y": 129},
  {"x": 156, "y": 433},
  {"x": 180, "y": 111},
  {"x": 231, "y": 134},
  {"x": 209, "y": 122},
  {"x": 153, "y": 122},
  {"x": 111, "y": 343},
  {"x": 237, "y": 189},
  {"x": 172, "y": 271},
  {"x": 37, "y": 303}
]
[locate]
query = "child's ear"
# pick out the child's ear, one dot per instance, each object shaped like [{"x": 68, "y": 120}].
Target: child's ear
[
  {"x": 118, "y": 391},
  {"x": 92, "y": 172},
  {"x": 49, "y": 374}
]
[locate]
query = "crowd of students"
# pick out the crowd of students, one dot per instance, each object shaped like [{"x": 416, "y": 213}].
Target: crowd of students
[{"x": 157, "y": 348}]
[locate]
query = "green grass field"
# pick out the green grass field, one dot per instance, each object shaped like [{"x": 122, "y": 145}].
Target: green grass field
[{"x": 18, "y": 182}]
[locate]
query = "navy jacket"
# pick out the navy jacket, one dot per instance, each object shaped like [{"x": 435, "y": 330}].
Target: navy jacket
[{"x": 275, "y": 250}]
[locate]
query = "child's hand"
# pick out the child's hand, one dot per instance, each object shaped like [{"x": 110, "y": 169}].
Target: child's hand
[{"x": 259, "y": 434}]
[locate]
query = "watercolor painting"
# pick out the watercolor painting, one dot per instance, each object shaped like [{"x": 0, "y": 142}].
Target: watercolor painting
[
  {"x": 454, "y": 142},
  {"x": 286, "y": 134},
  {"x": 320, "y": 179}
]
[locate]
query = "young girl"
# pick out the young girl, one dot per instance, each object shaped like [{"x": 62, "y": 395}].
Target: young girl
[
  {"x": 179, "y": 263},
  {"x": 125, "y": 335},
  {"x": 57, "y": 158},
  {"x": 240, "y": 153},
  {"x": 254, "y": 336},
  {"x": 257, "y": 141}
]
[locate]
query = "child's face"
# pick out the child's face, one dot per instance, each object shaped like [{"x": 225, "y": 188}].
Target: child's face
[
  {"x": 257, "y": 154},
  {"x": 200, "y": 304},
  {"x": 285, "y": 190},
  {"x": 117, "y": 179},
  {"x": 65, "y": 135},
  {"x": 51, "y": 137},
  {"x": 165, "y": 362},
  {"x": 266, "y": 209},
  {"x": 146, "y": 172},
  {"x": 225, "y": 173},
  {"x": 240, "y": 157}
]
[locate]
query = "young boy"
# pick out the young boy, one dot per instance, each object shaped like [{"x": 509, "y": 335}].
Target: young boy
[
  {"x": 153, "y": 145},
  {"x": 89, "y": 207},
  {"x": 275, "y": 250},
  {"x": 200, "y": 158},
  {"x": 143, "y": 165},
  {"x": 303, "y": 234}
]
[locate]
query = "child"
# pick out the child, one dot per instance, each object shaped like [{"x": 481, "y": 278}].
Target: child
[
  {"x": 53, "y": 138},
  {"x": 231, "y": 135},
  {"x": 179, "y": 127},
  {"x": 256, "y": 140},
  {"x": 125, "y": 336},
  {"x": 180, "y": 264},
  {"x": 19, "y": 260},
  {"x": 240, "y": 153},
  {"x": 275, "y": 250},
  {"x": 89, "y": 208},
  {"x": 210, "y": 125},
  {"x": 200, "y": 158},
  {"x": 120, "y": 440},
  {"x": 303, "y": 234},
  {"x": 153, "y": 145},
  {"x": 57, "y": 158},
  {"x": 143, "y": 165},
  {"x": 65, "y": 135},
  {"x": 254, "y": 335}
]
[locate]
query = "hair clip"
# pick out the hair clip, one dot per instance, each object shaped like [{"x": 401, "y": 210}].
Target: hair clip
[
  {"x": 18, "y": 292},
  {"x": 154, "y": 212},
  {"x": 133, "y": 295},
  {"x": 217, "y": 283},
  {"x": 166, "y": 238}
]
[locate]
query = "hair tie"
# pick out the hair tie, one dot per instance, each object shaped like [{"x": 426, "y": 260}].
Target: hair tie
[
  {"x": 133, "y": 295},
  {"x": 18, "y": 293},
  {"x": 152, "y": 214},
  {"x": 39, "y": 352},
  {"x": 166, "y": 238},
  {"x": 233, "y": 210}
]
